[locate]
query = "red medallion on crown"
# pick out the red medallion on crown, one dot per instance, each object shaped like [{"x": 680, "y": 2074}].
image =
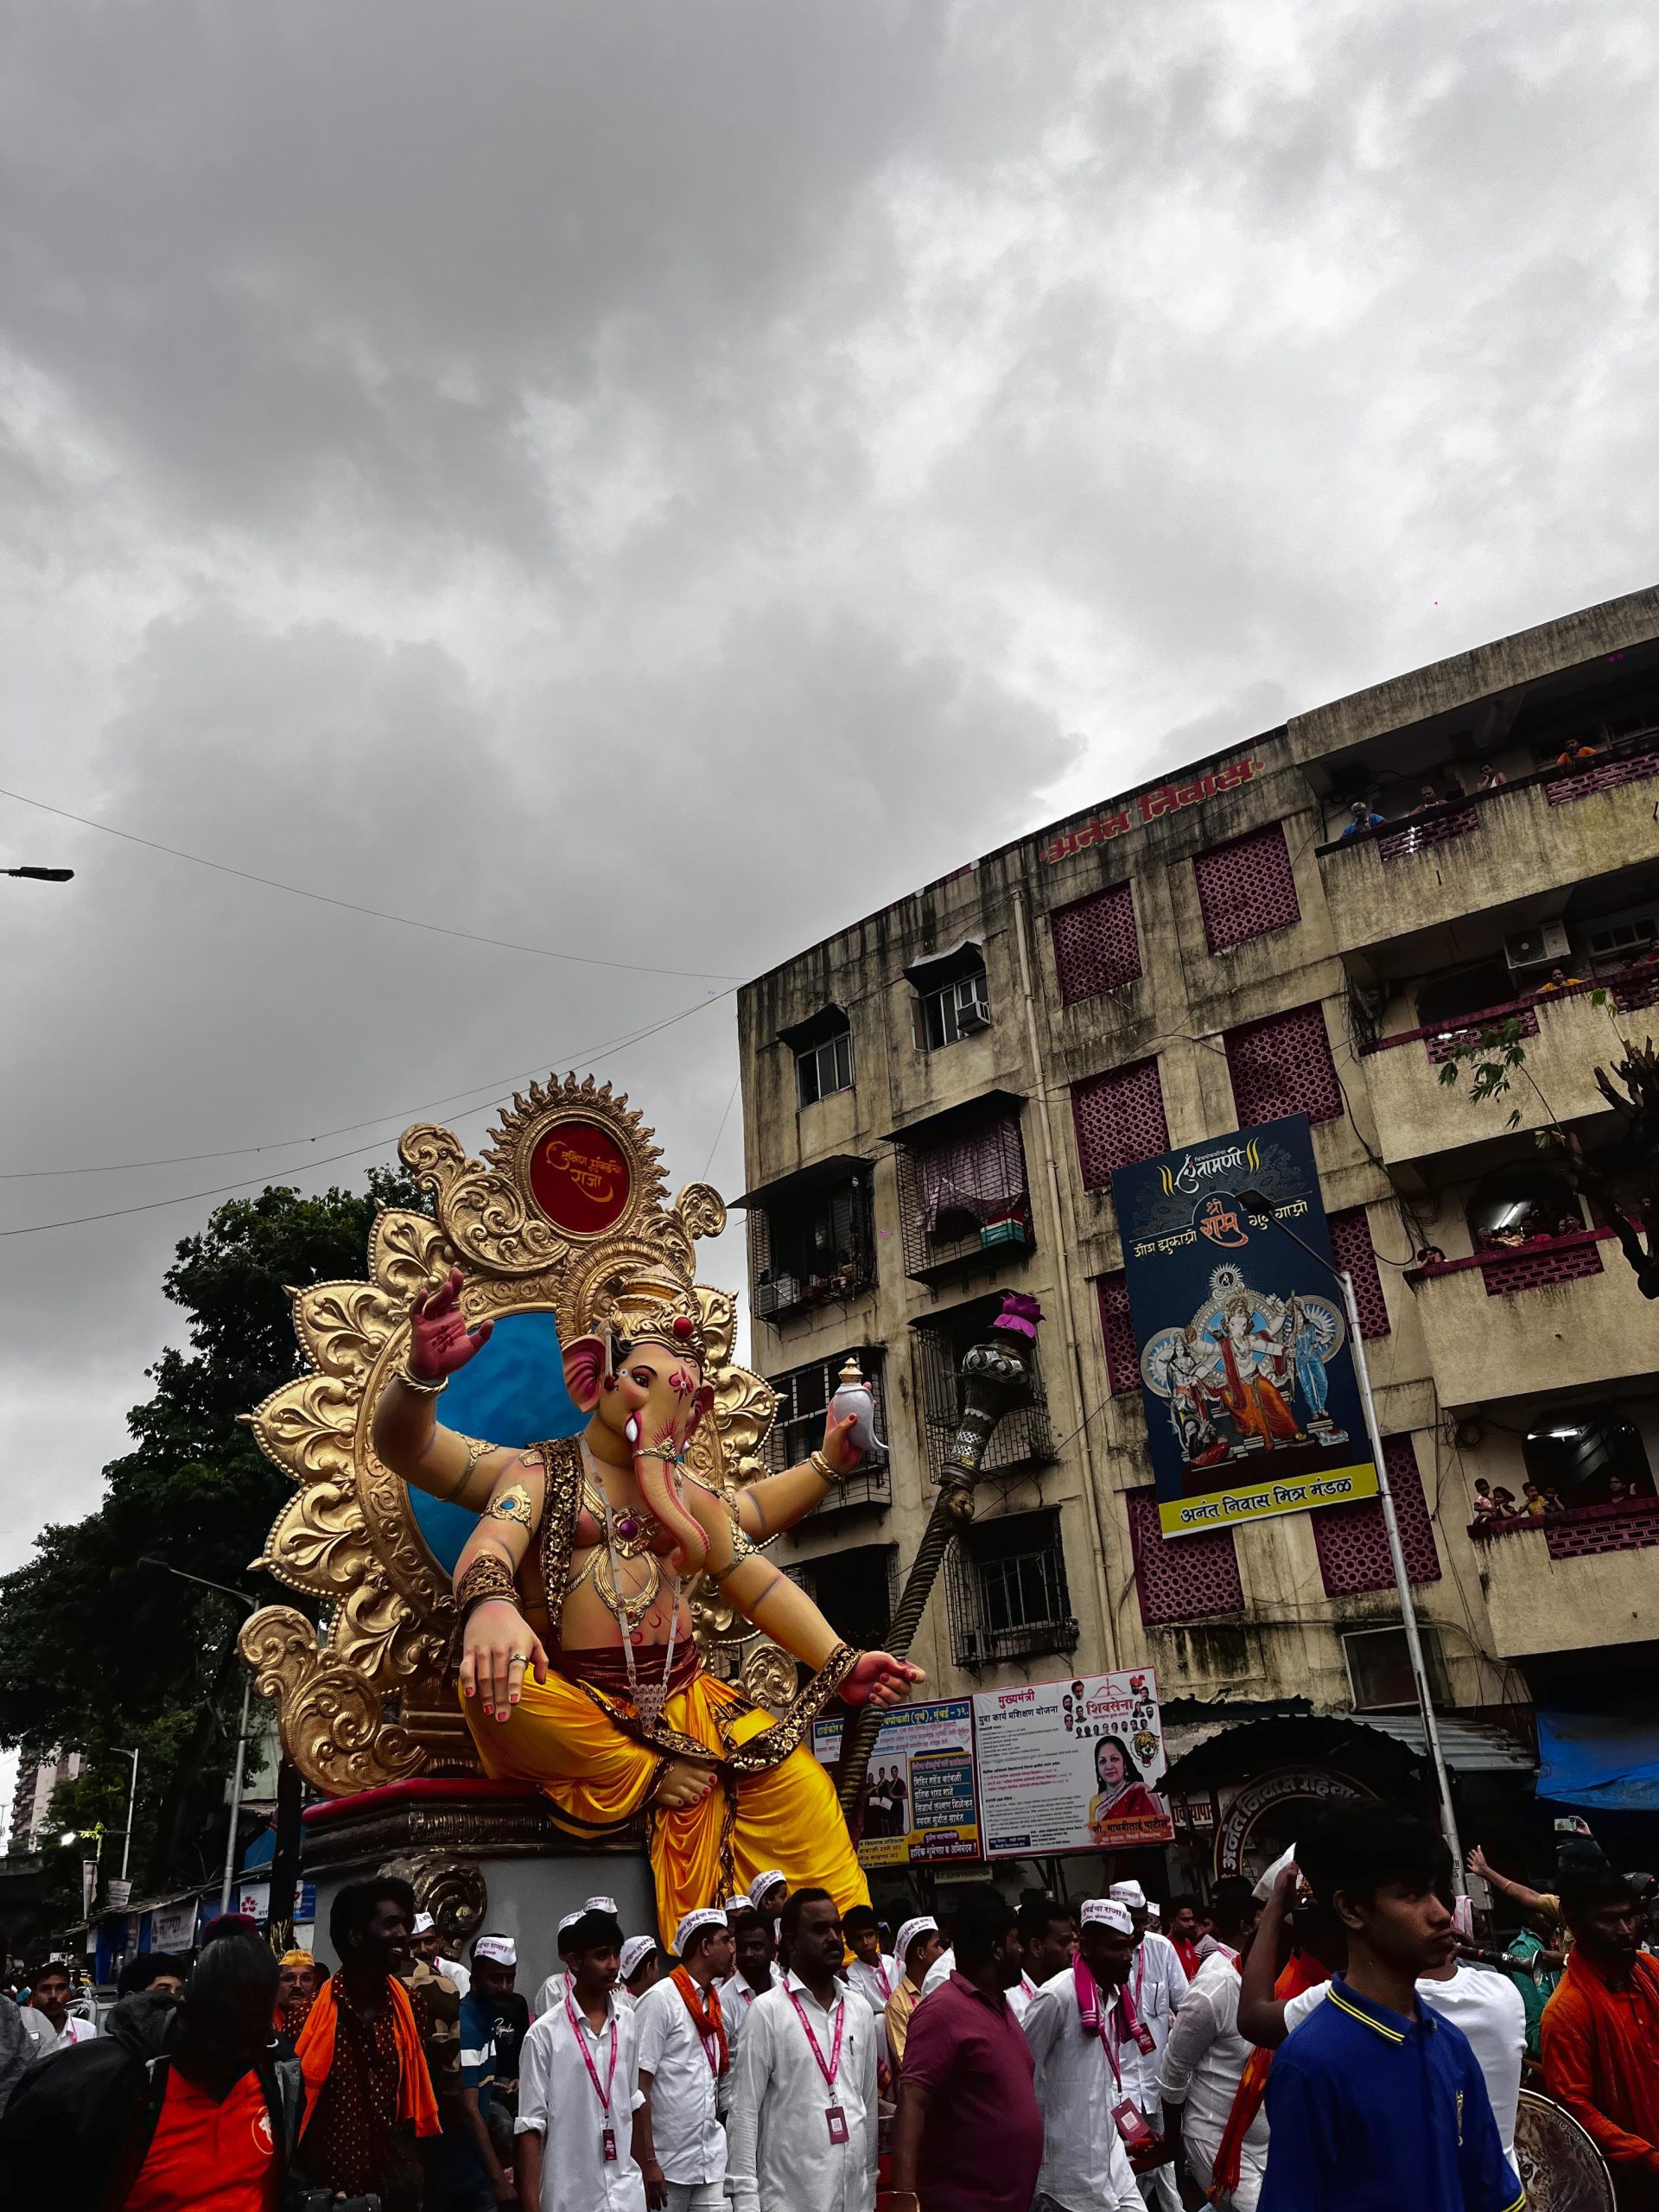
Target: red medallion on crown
[{"x": 578, "y": 1178}]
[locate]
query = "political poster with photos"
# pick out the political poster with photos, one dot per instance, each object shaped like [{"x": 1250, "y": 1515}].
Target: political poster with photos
[
  {"x": 1070, "y": 1766},
  {"x": 918, "y": 1803},
  {"x": 1247, "y": 1374}
]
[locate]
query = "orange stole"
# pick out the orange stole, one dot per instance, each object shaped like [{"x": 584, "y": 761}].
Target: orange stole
[
  {"x": 315, "y": 2052},
  {"x": 596, "y": 1779}
]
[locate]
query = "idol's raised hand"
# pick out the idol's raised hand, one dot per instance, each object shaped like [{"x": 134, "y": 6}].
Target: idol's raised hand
[
  {"x": 440, "y": 1341},
  {"x": 878, "y": 1679}
]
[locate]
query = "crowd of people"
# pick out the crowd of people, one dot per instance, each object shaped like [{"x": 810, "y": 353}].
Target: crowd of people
[{"x": 1324, "y": 2039}]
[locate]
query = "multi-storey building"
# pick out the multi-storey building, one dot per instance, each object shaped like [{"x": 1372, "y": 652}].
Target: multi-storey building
[
  {"x": 936, "y": 1098},
  {"x": 38, "y": 1774}
]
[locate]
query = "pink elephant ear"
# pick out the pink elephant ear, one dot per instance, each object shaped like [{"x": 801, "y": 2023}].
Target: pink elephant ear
[{"x": 584, "y": 1370}]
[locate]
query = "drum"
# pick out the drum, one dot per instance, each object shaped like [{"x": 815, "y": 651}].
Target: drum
[{"x": 1561, "y": 2169}]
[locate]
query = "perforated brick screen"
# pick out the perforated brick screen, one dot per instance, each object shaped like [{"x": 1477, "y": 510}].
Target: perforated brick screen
[
  {"x": 1122, "y": 1361},
  {"x": 1351, "y": 1247},
  {"x": 1602, "y": 776},
  {"x": 1629, "y": 1531},
  {"x": 1422, "y": 836},
  {"x": 1119, "y": 1119},
  {"x": 1283, "y": 1065},
  {"x": 1180, "y": 1577},
  {"x": 1246, "y": 888},
  {"x": 1096, "y": 946},
  {"x": 1353, "y": 1544},
  {"x": 1563, "y": 1263}
]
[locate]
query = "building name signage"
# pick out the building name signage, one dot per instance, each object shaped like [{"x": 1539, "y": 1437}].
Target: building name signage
[
  {"x": 1316, "y": 1784},
  {"x": 1162, "y": 798}
]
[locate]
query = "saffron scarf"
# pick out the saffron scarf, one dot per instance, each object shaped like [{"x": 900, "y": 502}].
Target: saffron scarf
[
  {"x": 315, "y": 2051},
  {"x": 1303, "y": 1972},
  {"x": 706, "y": 2015}
]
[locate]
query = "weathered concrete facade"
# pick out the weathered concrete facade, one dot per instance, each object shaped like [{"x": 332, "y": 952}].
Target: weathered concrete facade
[{"x": 1092, "y": 1019}]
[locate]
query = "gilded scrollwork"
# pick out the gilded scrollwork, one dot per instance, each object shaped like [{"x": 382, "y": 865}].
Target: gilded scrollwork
[{"x": 347, "y": 1538}]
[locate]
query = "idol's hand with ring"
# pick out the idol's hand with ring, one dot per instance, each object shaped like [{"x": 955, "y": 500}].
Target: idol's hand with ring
[{"x": 499, "y": 1649}]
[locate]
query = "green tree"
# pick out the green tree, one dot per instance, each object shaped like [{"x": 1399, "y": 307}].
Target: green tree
[{"x": 102, "y": 1650}]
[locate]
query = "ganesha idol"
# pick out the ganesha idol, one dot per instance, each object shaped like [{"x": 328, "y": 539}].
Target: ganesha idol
[{"x": 567, "y": 1582}]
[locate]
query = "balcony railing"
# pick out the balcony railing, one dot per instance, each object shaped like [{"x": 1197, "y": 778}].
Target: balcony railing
[
  {"x": 1632, "y": 988},
  {"x": 1582, "y": 1531},
  {"x": 1626, "y": 760},
  {"x": 1532, "y": 1266}
]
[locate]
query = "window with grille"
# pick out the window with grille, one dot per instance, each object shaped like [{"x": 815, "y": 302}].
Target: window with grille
[
  {"x": 956, "y": 1010},
  {"x": 1116, "y": 1327},
  {"x": 1006, "y": 1591},
  {"x": 1180, "y": 1577},
  {"x": 963, "y": 1197},
  {"x": 1352, "y": 1541},
  {"x": 1351, "y": 1247},
  {"x": 1283, "y": 1065},
  {"x": 1096, "y": 946},
  {"x": 810, "y": 1251},
  {"x": 1119, "y": 1118},
  {"x": 825, "y": 1068},
  {"x": 803, "y": 1395},
  {"x": 854, "y": 1589},
  {"x": 1023, "y": 1438},
  {"x": 1246, "y": 888}
]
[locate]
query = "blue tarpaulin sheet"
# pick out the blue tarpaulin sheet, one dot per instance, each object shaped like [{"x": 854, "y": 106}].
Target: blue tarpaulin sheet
[{"x": 1602, "y": 1757}]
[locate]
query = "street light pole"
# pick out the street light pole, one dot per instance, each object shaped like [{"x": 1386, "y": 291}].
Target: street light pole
[
  {"x": 132, "y": 1799},
  {"x": 147, "y": 1559},
  {"x": 1258, "y": 1203}
]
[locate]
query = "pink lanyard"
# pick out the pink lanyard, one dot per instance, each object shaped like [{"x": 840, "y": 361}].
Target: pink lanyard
[
  {"x": 880, "y": 1972},
  {"x": 829, "y": 2071},
  {"x": 579, "y": 2030}
]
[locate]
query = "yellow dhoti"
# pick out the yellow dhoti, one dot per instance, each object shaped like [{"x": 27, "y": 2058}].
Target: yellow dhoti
[{"x": 596, "y": 1778}]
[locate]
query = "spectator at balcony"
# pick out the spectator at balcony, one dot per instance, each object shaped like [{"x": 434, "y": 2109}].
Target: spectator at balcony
[
  {"x": 1552, "y": 1502},
  {"x": 1619, "y": 1490},
  {"x": 1533, "y": 1508},
  {"x": 1559, "y": 979},
  {"x": 1431, "y": 797},
  {"x": 1485, "y": 1504},
  {"x": 1362, "y": 816},
  {"x": 1504, "y": 1505},
  {"x": 1572, "y": 755},
  {"x": 1491, "y": 778},
  {"x": 1600, "y": 2033}
]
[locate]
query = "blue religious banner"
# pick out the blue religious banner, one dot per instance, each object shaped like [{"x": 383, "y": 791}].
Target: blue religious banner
[{"x": 1247, "y": 1375}]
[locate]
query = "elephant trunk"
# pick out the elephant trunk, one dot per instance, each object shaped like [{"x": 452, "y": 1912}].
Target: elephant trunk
[{"x": 655, "y": 1479}]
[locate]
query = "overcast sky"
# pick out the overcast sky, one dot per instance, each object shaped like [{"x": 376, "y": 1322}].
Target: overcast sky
[{"x": 656, "y": 482}]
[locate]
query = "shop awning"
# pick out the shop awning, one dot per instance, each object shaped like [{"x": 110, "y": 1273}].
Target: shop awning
[{"x": 1603, "y": 1757}]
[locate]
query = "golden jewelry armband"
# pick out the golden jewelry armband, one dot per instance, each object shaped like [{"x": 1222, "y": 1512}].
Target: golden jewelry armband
[{"x": 486, "y": 1578}]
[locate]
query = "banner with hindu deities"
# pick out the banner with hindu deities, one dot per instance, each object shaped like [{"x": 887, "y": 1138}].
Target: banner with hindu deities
[{"x": 1247, "y": 1375}]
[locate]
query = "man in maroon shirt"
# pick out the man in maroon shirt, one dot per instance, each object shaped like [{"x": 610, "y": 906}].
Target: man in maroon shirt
[{"x": 970, "y": 2134}]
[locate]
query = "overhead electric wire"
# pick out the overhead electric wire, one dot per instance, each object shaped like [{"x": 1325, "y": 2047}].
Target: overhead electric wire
[
  {"x": 298, "y": 1167},
  {"x": 375, "y": 913}
]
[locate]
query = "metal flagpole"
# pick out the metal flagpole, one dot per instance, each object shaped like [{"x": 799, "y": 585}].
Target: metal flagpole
[{"x": 1259, "y": 1202}]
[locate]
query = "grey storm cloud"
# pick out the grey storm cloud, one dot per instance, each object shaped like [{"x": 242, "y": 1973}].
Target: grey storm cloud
[{"x": 655, "y": 482}]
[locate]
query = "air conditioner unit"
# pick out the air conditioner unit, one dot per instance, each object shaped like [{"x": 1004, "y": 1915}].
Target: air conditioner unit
[
  {"x": 972, "y": 1008},
  {"x": 1538, "y": 947}
]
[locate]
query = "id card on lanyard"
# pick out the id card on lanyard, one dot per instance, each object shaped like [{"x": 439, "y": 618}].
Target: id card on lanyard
[
  {"x": 1126, "y": 2116},
  {"x": 579, "y": 2030},
  {"x": 835, "y": 2116}
]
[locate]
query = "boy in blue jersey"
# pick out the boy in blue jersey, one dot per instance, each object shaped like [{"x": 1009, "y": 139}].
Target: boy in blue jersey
[{"x": 1374, "y": 2103}]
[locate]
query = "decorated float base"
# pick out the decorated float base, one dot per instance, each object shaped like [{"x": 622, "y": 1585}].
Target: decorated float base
[{"x": 478, "y": 1855}]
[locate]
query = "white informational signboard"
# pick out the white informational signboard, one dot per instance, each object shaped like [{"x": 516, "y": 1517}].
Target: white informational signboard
[
  {"x": 173, "y": 1927},
  {"x": 1071, "y": 1766},
  {"x": 918, "y": 1802}
]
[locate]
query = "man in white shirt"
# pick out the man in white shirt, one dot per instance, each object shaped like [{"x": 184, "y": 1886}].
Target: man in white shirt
[
  {"x": 642, "y": 1968},
  {"x": 1156, "y": 1987},
  {"x": 577, "y": 2093},
  {"x": 683, "y": 2057},
  {"x": 1078, "y": 2058},
  {"x": 1205, "y": 2059},
  {"x": 427, "y": 1946},
  {"x": 803, "y": 2101},
  {"x": 870, "y": 1971},
  {"x": 1045, "y": 1939},
  {"x": 752, "y": 1951},
  {"x": 49, "y": 2022}
]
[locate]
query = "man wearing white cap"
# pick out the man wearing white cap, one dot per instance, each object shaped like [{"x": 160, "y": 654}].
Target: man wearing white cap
[
  {"x": 683, "y": 2058},
  {"x": 577, "y": 2087},
  {"x": 768, "y": 1892},
  {"x": 427, "y": 1945},
  {"x": 916, "y": 1948},
  {"x": 642, "y": 1967},
  {"x": 803, "y": 2094},
  {"x": 1156, "y": 1985},
  {"x": 1077, "y": 2030},
  {"x": 495, "y": 1968}
]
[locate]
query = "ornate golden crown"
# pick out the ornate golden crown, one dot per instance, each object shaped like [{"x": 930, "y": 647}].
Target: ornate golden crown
[{"x": 569, "y": 1214}]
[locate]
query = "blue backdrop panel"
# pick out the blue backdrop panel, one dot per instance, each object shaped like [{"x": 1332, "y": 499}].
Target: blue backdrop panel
[
  {"x": 512, "y": 1393},
  {"x": 1605, "y": 1758}
]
